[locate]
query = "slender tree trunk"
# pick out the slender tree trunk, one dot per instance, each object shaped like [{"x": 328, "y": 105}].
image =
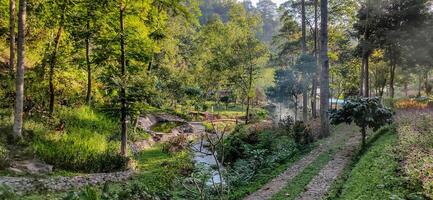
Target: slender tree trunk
[
  {"x": 296, "y": 108},
  {"x": 391, "y": 80},
  {"x": 11, "y": 36},
  {"x": 365, "y": 61},
  {"x": 305, "y": 104},
  {"x": 364, "y": 136},
  {"x": 19, "y": 100},
  {"x": 364, "y": 71},
  {"x": 316, "y": 55},
  {"x": 89, "y": 67},
  {"x": 405, "y": 89},
  {"x": 361, "y": 82},
  {"x": 123, "y": 149},
  {"x": 324, "y": 81},
  {"x": 53, "y": 62},
  {"x": 419, "y": 84},
  {"x": 304, "y": 51},
  {"x": 313, "y": 98},
  {"x": 250, "y": 84},
  {"x": 304, "y": 31}
]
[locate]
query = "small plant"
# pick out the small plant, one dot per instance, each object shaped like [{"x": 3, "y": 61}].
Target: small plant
[
  {"x": 6, "y": 193},
  {"x": 365, "y": 113}
]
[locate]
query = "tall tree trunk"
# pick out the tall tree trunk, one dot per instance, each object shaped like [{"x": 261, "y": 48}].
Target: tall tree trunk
[
  {"x": 365, "y": 61},
  {"x": 365, "y": 56},
  {"x": 361, "y": 78},
  {"x": 313, "y": 98},
  {"x": 316, "y": 55},
  {"x": 19, "y": 100},
  {"x": 419, "y": 84},
  {"x": 54, "y": 60},
  {"x": 250, "y": 85},
  {"x": 364, "y": 136},
  {"x": 391, "y": 80},
  {"x": 304, "y": 31},
  {"x": 123, "y": 149},
  {"x": 305, "y": 103},
  {"x": 324, "y": 81},
  {"x": 89, "y": 67},
  {"x": 304, "y": 51},
  {"x": 296, "y": 108},
  {"x": 11, "y": 36}
]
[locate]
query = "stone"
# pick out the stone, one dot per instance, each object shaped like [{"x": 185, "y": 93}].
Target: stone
[
  {"x": 15, "y": 171},
  {"x": 32, "y": 167},
  {"x": 185, "y": 128}
]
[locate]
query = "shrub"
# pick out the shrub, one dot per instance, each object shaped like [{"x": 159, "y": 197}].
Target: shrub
[
  {"x": 302, "y": 134},
  {"x": 411, "y": 104},
  {"x": 89, "y": 193},
  {"x": 4, "y": 157},
  {"x": 176, "y": 144},
  {"x": 365, "y": 113}
]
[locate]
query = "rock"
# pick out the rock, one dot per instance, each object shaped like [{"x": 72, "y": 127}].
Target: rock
[
  {"x": 185, "y": 128},
  {"x": 32, "y": 166},
  {"x": 15, "y": 171}
]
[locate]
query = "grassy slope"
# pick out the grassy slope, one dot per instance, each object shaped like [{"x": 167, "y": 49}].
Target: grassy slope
[{"x": 374, "y": 176}]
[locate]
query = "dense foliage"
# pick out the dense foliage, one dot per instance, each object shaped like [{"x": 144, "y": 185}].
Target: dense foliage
[{"x": 364, "y": 112}]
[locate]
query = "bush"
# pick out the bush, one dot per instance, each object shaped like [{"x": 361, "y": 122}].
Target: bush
[
  {"x": 302, "y": 134},
  {"x": 365, "y": 113},
  {"x": 4, "y": 157},
  {"x": 176, "y": 144}
]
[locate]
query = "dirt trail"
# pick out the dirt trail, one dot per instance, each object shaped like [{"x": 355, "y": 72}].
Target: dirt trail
[
  {"x": 276, "y": 184},
  {"x": 320, "y": 184}
]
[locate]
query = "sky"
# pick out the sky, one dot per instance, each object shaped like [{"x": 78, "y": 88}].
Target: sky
[{"x": 275, "y": 1}]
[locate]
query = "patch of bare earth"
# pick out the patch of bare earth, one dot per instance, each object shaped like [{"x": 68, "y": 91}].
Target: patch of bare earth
[
  {"x": 320, "y": 184},
  {"x": 276, "y": 184}
]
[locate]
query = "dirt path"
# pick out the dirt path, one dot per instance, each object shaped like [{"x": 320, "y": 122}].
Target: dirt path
[
  {"x": 274, "y": 186},
  {"x": 320, "y": 184}
]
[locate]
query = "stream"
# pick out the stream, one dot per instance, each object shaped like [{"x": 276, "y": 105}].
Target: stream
[{"x": 203, "y": 156}]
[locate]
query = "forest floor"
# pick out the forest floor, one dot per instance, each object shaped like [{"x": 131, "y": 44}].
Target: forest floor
[{"x": 344, "y": 140}]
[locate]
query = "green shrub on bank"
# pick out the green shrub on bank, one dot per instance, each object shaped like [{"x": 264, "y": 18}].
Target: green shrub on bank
[
  {"x": 247, "y": 153},
  {"x": 84, "y": 143},
  {"x": 4, "y": 157}
]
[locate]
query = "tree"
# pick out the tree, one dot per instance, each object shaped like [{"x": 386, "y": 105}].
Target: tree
[
  {"x": 122, "y": 61},
  {"x": 11, "y": 35},
  {"x": 53, "y": 59},
  {"x": 287, "y": 85},
  {"x": 268, "y": 14},
  {"x": 324, "y": 76},
  {"x": 304, "y": 52},
  {"x": 365, "y": 113},
  {"x": 19, "y": 100}
]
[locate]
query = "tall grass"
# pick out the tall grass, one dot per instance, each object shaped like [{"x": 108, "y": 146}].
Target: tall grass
[{"x": 84, "y": 145}]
